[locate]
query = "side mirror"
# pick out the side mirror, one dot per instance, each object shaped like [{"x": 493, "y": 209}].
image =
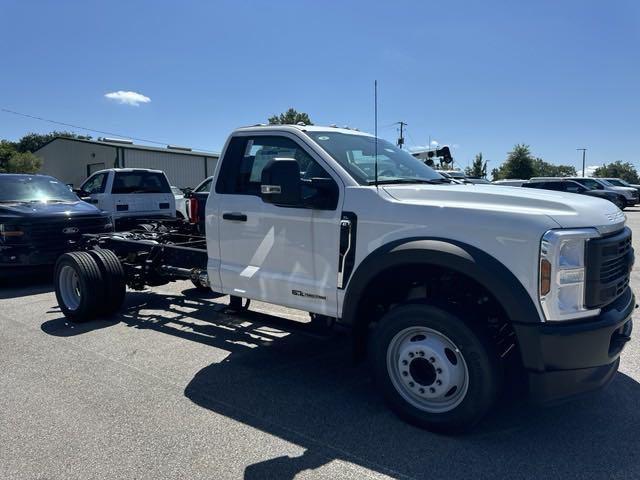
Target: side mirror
[
  {"x": 320, "y": 193},
  {"x": 80, "y": 192},
  {"x": 280, "y": 182}
]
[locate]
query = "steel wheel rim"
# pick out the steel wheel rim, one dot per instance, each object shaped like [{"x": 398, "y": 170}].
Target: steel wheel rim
[
  {"x": 427, "y": 369},
  {"x": 69, "y": 284}
]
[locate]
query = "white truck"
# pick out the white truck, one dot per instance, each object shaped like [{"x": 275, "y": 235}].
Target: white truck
[
  {"x": 129, "y": 193},
  {"x": 444, "y": 287}
]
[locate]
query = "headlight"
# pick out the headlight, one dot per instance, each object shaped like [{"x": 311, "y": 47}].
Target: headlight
[{"x": 562, "y": 274}]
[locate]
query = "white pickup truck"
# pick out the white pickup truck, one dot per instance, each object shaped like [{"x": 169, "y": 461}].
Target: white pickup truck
[
  {"x": 127, "y": 193},
  {"x": 445, "y": 287}
]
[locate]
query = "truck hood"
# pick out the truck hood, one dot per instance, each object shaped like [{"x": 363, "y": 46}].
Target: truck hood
[
  {"x": 568, "y": 210},
  {"x": 42, "y": 209}
]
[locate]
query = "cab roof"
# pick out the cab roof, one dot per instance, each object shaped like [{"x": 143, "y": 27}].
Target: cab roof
[{"x": 301, "y": 128}]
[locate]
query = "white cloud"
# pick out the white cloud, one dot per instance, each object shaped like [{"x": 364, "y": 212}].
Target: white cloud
[
  {"x": 434, "y": 142},
  {"x": 128, "y": 98},
  {"x": 590, "y": 169}
]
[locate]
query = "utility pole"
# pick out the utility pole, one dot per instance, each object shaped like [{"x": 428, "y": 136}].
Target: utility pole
[
  {"x": 401, "y": 139},
  {"x": 584, "y": 151}
]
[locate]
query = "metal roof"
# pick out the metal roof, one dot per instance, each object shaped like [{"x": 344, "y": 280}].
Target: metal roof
[{"x": 132, "y": 146}]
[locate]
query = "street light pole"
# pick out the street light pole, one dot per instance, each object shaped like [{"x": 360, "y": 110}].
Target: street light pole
[{"x": 584, "y": 151}]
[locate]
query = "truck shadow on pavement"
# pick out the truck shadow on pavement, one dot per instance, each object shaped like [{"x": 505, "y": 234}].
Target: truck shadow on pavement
[{"x": 303, "y": 387}]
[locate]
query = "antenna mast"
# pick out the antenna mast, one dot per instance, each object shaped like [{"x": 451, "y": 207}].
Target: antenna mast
[{"x": 375, "y": 110}]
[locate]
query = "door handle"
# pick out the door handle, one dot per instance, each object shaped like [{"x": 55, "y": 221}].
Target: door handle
[{"x": 238, "y": 217}]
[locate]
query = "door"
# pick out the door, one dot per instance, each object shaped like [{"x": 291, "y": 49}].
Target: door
[
  {"x": 201, "y": 194},
  {"x": 282, "y": 255},
  {"x": 93, "y": 191}
]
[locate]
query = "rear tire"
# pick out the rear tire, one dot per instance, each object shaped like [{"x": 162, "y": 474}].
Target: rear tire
[
  {"x": 433, "y": 369},
  {"x": 114, "y": 279},
  {"x": 79, "y": 286}
]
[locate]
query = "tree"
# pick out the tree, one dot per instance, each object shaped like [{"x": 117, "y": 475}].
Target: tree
[
  {"x": 23, "y": 162},
  {"x": 290, "y": 117},
  {"x": 626, "y": 171},
  {"x": 478, "y": 169},
  {"x": 519, "y": 164},
  {"x": 7, "y": 149},
  {"x": 33, "y": 141},
  {"x": 544, "y": 169}
]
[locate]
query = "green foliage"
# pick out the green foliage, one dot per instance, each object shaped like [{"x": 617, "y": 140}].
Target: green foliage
[
  {"x": 519, "y": 164},
  {"x": 290, "y": 117},
  {"x": 7, "y": 149},
  {"x": 626, "y": 171},
  {"x": 544, "y": 169},
  {"x": 478, "y": 169},
  {"x": 33, "y": 141},
  {"x": 23, "y": 162}
]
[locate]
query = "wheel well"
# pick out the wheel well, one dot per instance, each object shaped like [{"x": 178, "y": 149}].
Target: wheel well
[{"x": 435, "y": 285}]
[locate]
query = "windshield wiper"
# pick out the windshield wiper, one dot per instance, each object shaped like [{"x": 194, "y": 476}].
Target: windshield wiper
[{"x": 398, "y": 181}]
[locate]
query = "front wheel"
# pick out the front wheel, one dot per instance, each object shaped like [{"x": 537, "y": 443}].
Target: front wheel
[{"x": 434, "y": 370}]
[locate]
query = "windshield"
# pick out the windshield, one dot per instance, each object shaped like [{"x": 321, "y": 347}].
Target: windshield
[
  {"x": 618, "y": 183},
  {"x": 356, "y": 154},
  {"x": 23, "y": 188}
]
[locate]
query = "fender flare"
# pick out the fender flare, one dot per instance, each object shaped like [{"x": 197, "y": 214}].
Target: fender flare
[{"x": 453, "y": 255}]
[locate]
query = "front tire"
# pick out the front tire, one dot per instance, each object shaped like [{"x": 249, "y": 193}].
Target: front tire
[{"x": 433, "y": 369}]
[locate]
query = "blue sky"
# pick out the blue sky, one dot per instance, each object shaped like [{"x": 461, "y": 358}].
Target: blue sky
[{"x": 478, "y": 75}]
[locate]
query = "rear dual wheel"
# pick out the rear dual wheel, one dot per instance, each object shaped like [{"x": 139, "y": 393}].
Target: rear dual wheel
[{"x": 89, "y": 284}]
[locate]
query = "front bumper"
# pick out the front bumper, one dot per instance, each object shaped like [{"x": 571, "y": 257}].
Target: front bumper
[
  {"x": 632, "y": 201},
  {"x": 16, "y": 256},
  {"x": 563, "y": 360}
]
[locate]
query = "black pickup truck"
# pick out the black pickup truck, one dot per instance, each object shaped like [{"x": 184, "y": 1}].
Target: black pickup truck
[{"x": 40, "y": 218}]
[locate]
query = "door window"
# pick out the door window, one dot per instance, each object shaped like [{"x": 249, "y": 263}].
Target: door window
[
  {"x": 241, "y": 171},
  {"x": 573, "y": 187},
  {"x": 95, "y": 184},
  {"x": 204, "y": 187}
]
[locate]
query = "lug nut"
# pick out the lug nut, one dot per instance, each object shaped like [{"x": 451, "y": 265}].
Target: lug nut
[
  {"x": 438, "y": 382},
  {"x": 438, "y": 370},
  {"x": 422, "y": 390},
  {"x": 422, "y": 354},
  {"x": 432, "y": 390},
  {"x": 432, "y": 360},
  {"x": 411, "y": 384},
  {"x": 411, "y": 355},
  {"x": 405, "y": 373},
  {"x": 404, "y": 362}
]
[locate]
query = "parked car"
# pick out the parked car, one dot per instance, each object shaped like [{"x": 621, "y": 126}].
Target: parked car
[
  {"x": 130, "y": 193},
  {"x": 181, "y": 203},
  {"x": 198, "y": 202},
  {"x": 571, "y": 186},
  {"x": 444, "y": 287},
  {"x": 630, "y": 194},
  {"x": 510, "y": 182},
  {"x": 454, "y": 174},
  {"x": 40, "y": 218},
  {"x": 478, "y": 181},
  {"x": 618, "y": 182}
]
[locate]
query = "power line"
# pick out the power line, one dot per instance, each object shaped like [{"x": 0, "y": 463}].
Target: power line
[{"x": 6, "y": 110}]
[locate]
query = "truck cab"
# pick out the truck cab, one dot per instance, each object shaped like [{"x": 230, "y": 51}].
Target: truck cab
[
  {"x": 126, "y": 193},
  {"x": 441, "y": 284}
]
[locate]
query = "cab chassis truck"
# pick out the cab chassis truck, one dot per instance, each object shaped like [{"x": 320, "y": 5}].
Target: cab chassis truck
[{"x": 444, "y": 287}]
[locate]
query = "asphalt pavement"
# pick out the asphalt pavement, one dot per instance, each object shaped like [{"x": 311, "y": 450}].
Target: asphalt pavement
[{"x": 177, "y": 386}]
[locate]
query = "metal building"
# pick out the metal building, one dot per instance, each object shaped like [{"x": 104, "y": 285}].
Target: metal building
[{"x": 72, "y": 160}]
